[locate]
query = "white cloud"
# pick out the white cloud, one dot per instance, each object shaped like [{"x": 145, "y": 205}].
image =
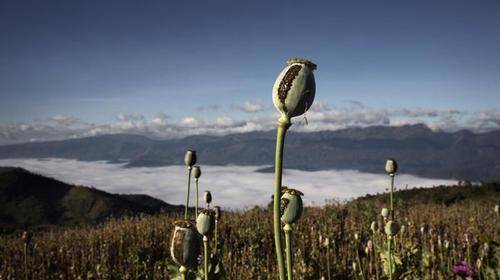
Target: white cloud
[
  {"x": 252, "y": 106},
  {"x": 321, "y": 117},
  {"x": 231, "y": 186}
]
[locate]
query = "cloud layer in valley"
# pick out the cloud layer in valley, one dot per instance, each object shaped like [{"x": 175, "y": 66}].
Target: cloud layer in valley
[
  {"x": 232, "y": 186},
  {"x": 257, "y": 117}
]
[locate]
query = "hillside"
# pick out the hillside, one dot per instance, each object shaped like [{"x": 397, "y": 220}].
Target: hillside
[
  {"x": 462, "y": 155},
  {"x": 28, "y": 200},
  {"x": 140, "y": 247},
  {"x": 486, "y": 193}
]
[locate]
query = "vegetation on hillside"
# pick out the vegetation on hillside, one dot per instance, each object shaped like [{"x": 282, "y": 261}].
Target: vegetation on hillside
[
  {"x": 436, "y": 233},
  {"x": 32, "y": 200}
]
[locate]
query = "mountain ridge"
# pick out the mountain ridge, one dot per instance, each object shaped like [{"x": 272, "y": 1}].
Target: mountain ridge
[{"x": 461, "y": 155}]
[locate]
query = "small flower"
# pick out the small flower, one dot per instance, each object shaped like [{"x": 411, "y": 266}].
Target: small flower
[{"x": 463, "y": 269}]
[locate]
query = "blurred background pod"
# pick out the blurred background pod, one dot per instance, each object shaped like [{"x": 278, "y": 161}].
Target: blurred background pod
[
  {"x": 295, "y": 88},
  {"x": 384, "y": 212},
  {"x": 208, "y": 197},
  {"x": 205, "y": 222},
  {"x": 190, "y": 158},
  {"x": 217, "y": 212},
  {"x": 196, "y": 171},
  {"x": 391, "y": 228},
  {"x": 291, "y": 206},
  {"x": 185, "y": 246},
  {"x": 391, "y": 167}
]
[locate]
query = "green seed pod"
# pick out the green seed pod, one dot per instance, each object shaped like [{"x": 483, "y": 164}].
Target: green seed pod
[
  {"x": 205, "y": 223},
  {"x": 403, "y": 228},
  {"x": 217, "y": 212},
  {"x": 196, "y": 172},
  {"x": 185, "y": 246},
  {"x": 391, "y": 167},
  {"x": 291, "y": 206},
  {"x": 208, "y": 196},
  {"x": 497, "y": 208},
  {"x": 391, "y": 228},
  {"x": 295, "y": 87},
  {"x": 374, "y": 226},
  {"x": 385, "y": 212},
  {"x": 190, "y": 158}
]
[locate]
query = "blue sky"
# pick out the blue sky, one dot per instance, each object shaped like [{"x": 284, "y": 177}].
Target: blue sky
[{"x": 92, "y": 59}]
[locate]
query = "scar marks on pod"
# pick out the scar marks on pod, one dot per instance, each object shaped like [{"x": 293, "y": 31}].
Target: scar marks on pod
[{"x": 286, "y": 82}]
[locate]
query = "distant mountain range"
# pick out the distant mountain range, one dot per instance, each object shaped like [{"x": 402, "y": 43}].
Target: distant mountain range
[
  {"x": 461, "y": 155},
  {"x": 32, "y": 200}
]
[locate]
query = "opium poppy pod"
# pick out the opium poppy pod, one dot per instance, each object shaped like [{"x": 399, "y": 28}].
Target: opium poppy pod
[
  {"x": 384, "y": 212},
  {"x": 205, "y": 223},
  {"x": 391, "y": 167},
  {"x": 196, "y": 172},
  {"x": 208, "y": 197},
  {"x": 190, "y": 158},
  {"x": 391, "y": 228},
  {"x": 295, "y": 87},
  {"x": 185, "y": 246},
  {"x": 291, "y": 206}
]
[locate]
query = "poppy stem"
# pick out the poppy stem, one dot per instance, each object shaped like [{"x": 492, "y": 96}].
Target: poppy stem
[{"x": 283, "y": 125}]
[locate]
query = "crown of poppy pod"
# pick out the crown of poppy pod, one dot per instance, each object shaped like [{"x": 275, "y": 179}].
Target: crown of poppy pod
[
  {"x": 391, "y": 167},
  {"x": 196, "y": 171},
  {"x": 205, "y": 223},
  {"x": 190, "y": 158},
  {"x": 295, "y": 88},
  {"x": 185, "y": 247},
  {"x": 291, "y": 206}
]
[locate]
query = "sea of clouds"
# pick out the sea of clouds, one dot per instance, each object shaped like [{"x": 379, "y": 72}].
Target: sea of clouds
[{"x": 235, "y": 187}]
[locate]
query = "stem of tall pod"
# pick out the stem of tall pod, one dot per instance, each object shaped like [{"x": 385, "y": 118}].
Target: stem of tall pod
[
  {"x": 205, "y": 256},
  {"x": 389, "y": 249},
  {"x": 283, "y": 125},
  {"x": 187, "y": 195},
  {"x": 392, "y": 195},
  {"x": 288, "y": 247},
  {"x": 327, "y": 246},
  {"x": 196, "y": 186},
  {"x": 183, "y": 271}
]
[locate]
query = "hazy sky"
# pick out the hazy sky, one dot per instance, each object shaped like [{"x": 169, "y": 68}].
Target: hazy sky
[{"x": 90, "y": 60}]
